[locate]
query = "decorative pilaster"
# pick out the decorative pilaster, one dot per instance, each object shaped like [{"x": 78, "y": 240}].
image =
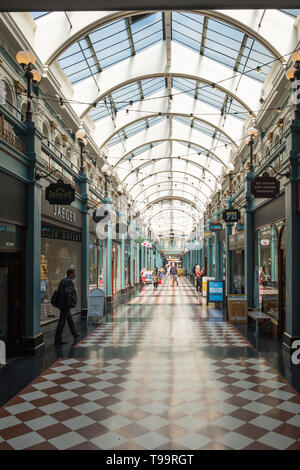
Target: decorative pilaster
[
  {"x": 33, "y": 340},
  {"x": 228, "y": 269},
  {"x": 85, "y": 239},
  {"x": 108, "y": 254},
  {"x": 249, "y": 273},
  {"x": 292, "y": 212}
]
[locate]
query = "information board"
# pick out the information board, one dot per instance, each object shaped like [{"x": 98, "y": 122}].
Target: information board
[
  {"x": 205, "y": 279},
  {"x": 215, "y": 291},
  {"x": 237, "y": 308},
  {"x": 96, "y": 304}
]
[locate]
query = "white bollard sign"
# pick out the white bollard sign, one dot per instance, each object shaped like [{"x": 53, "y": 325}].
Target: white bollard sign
[{"x": 2, "y": 353}]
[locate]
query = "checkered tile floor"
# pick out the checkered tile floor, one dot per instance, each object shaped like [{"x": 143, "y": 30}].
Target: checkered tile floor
[
  {"x": 161, "y": 325},
  {"x": 113, "y": 404},
  {"x": 199, "y": 395},
  {"x": 155, "y": 333}
]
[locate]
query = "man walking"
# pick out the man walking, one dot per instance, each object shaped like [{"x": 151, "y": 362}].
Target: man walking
[
  {"x": 173, "y": 274},
  {"x": 67, "y": 299}
]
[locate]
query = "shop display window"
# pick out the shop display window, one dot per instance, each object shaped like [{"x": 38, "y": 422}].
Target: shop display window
[
  {"x": 95, "y": 263},
  {"x": 268, "y": 243},
  {"x": 238, "y": 267},
  {"x": 10, "y": 237},
  {"x": 57, "y": 256}
]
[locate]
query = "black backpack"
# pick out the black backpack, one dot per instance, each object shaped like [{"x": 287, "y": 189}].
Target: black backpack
[
  {"x": 55, "y": 299},
  {"x": 70, "y": 297}
]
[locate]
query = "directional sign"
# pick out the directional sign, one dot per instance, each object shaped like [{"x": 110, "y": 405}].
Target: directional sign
[
  {"x": 215, "y": 227},
  {"x": 231, "y": 215},
  {"x": 265, "y": 187}
]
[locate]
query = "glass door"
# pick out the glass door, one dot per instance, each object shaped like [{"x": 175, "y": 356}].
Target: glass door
[
  {"x": 11, "y": 304},
  {"x": 3, "y": 302}
]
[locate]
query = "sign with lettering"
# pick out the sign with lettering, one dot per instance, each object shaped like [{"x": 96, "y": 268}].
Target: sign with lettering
[
  {"x": 231, "y": 215},
  {"x": 96, "y": 305},
  {"x": 265, "y": 186},
  {"x": 215, "y": 227},
  {"x": 50, "y": 232},
  {"x": 60, "y": 193},
  {"x": 215, "y": 291},
  {"x": 65, "y": 214},
  {"x": 237, "y": 308}
]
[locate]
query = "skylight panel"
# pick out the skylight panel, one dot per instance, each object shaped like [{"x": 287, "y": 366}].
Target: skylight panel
[
  {"x": 135, "y": 128},
  {"x": 124, "y": 95},
  {"x": 151, "y": 86},
  {"x": 256, "y": 55},
  {"x": 291, "y": 12},
  {"x": 39, "y": 14},
  {"x": 147, "y": 32}
]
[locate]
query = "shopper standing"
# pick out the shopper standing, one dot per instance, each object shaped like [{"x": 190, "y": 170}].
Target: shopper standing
[
  {"x": 155, "y": 278},
  {"x": 66, "y": 300},
  {"x": 198, "y": 279},
  {"x": 143, "y": 276}
]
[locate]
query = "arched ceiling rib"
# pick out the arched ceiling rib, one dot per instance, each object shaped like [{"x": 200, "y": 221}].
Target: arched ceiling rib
[
  {"x": 159, "y": 192},
  {"x": 210, "y": 108},
  {"x": 140, "y": 143},
  {"x": 170, "y": 172},
  {"x": 175, "y": 182},
  {"x": 175, "y": 198},
  {"x": 145, "y": 83},
  {"x": 202, "y": 167},
  {"x": 152, "y": 62},
  {"x": 177, "y": 208},
  {"x": 168, "y": 211},
  {"x": 248, "y": 21},
  {"x": 195, "y": 122}
]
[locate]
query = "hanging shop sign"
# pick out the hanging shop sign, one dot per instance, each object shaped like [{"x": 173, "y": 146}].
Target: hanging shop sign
[
  {"x": 60, "y": 193},
  {"x": 215, "y": 226},
  {"x": 231, "y": 215},
  {"x": 265, "y": 186}
]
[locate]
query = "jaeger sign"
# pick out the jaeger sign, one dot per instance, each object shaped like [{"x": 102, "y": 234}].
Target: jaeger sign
[{"x": 60, "y": 193}]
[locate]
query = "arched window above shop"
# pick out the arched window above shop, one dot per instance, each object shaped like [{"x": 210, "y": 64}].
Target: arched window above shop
[
  {"x": 68, "y": 152},
  {"x": 58, "y": 146},
  {"x": 6, "y": 95}
]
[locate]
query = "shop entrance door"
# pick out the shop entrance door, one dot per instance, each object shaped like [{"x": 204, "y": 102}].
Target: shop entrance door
[{"x": 10, "y": 302}]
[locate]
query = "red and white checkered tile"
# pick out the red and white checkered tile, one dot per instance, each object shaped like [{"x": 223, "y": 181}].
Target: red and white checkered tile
[
  {"x": 155, "y": 326},
  {"x": 162, "y": 402},
  {"x": 159, "y": 332}
]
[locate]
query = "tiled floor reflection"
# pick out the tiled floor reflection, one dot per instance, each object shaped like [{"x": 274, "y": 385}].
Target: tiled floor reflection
[{"x": 163, "y": 374}]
